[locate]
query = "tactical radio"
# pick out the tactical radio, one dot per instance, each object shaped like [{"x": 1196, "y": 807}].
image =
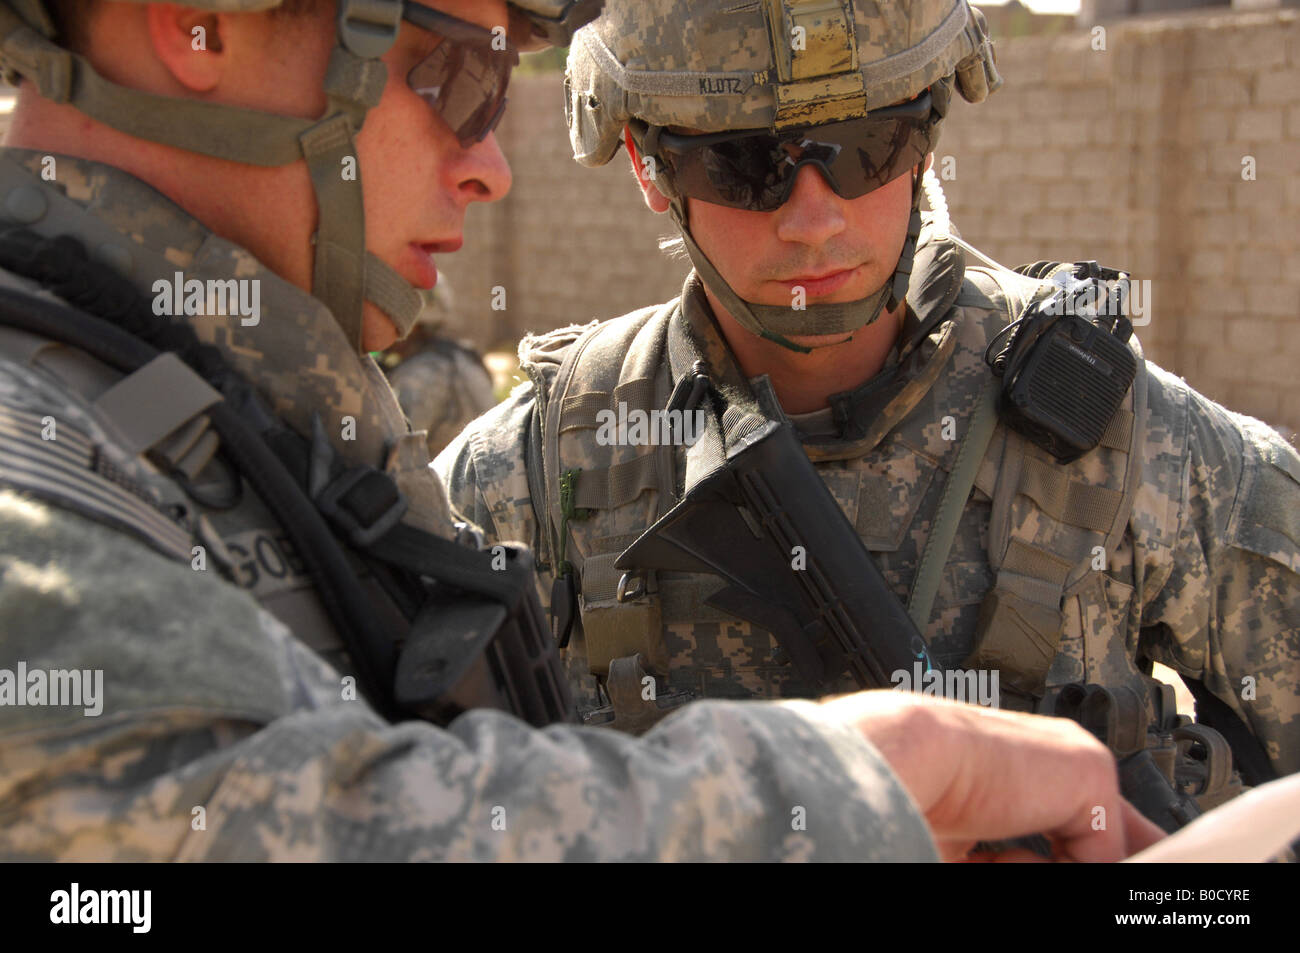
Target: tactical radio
[{"x": 1065, "y": 364}]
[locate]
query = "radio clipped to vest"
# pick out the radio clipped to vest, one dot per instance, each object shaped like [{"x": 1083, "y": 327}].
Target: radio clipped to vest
[{"x": 1065, "y": 364}]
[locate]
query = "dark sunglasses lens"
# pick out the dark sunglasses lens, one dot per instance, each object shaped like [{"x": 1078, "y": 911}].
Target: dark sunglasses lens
[
  {"x": 881, "y": 153},
  {"x": 466, "y": 86},
  {"x": 757, "y": 172},
  {"x": 744, "y": 173}
]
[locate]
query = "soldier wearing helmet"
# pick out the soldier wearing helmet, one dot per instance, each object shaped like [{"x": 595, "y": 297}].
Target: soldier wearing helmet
[
  {"x": 788, "y": 141},
  {"x": 214, "y": 512}
]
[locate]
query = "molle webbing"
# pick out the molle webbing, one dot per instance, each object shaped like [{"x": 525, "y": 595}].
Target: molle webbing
[
  {"x": 618, "y": 485},
  {"x": 1048, "y": 523},
  {"x": 615, "y": 366}
]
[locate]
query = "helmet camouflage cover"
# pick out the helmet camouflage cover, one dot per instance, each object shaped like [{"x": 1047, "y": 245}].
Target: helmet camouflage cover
[{"x": 717, "y": 65}]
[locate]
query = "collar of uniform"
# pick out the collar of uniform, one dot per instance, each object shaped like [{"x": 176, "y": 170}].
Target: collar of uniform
[
  {"x": 866, "y": 414},
  {"x": 295, "y": 355}
]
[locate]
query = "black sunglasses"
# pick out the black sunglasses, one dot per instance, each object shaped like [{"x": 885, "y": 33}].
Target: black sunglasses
[
  {"x": 755, "y": 169},
  {"x": 464, "y": 80}
]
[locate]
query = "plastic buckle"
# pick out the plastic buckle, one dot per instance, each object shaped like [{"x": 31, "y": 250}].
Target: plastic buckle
[
  {"x": 333, "y": 503},
  {"x": 369, "y": 27}
]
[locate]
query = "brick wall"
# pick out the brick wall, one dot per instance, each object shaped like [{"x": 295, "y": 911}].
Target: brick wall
[{"x": 1132, "y": 155}]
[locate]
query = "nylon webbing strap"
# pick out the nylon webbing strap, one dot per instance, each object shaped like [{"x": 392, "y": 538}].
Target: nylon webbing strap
[
  {"x": 62, "y": 471},
  {"x": 185, "y": 442},
  {"x": 778, "y": 321},
  {"x": 1026, "y": 560},
  {"x": 393, "y": 295},
  {"x": 620, "y": 484},
  {"x": 354, "y": 84},
  {"x": 134, "y": 410},
  {"x": 578, "y": 412},
  {"x": 600, "y": 578},
  {"x": 224, "y": 132},
  {"x": 943, "y": 531},
  {"x": 638, "y": 393},
  {"x": 338, "y": 278},
  {"x": 213, "y": 129},
  {"x": 1066, "y": 500},
  {"x": 1119, "y": 432},
  {"x": 738, "y": 423}
]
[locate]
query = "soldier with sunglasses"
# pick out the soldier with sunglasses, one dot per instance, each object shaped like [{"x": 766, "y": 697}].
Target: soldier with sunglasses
[
  {"x": 237, "y": 620},
  {"x": 788, "y": 141}
]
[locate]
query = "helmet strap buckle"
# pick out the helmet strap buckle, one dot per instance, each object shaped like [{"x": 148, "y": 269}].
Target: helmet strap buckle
[{"x": 368, "y": 28}]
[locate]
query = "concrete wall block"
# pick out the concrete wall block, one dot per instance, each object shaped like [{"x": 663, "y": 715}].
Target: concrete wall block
[
  {"x": 1255, "y": 336},
  {"x": 1221, "y": 87},
  {"x": 1275, "y": 298},
  {"x": 1258, "y": 125},
  {"x": 1276, "y": 87}
]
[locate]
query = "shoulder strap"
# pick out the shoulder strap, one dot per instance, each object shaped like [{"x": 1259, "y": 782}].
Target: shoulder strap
[
  {"x": 617, "y": 366},
  {"x": 613, "y": 363},
  {"x": 1049, "y": 522},
  {"x": 1017, "y": 291}
]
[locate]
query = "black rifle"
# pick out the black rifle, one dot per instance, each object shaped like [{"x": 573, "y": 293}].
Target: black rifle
[{"x": 765, "y": 522}]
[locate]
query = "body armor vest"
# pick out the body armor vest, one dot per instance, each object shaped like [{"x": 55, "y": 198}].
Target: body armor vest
[{"x": 1021, "y": 575}]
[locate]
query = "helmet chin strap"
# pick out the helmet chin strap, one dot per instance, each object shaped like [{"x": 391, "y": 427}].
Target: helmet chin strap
[{"x": 778, "y": 322}]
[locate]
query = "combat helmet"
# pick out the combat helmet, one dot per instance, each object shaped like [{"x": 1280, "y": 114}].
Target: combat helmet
[
  {"x": 345, "y": 274},
  {"x": 792, "y": 68}
]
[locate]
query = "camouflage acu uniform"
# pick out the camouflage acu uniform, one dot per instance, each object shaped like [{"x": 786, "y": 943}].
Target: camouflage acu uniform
[
  {"x": 1203, "y": 578},
  {"x": 441, "y": 388},
  {"x": 213, "y": 695}
]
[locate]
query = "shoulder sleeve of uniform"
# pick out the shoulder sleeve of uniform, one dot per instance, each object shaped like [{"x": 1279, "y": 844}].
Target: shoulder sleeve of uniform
[
  {"x": 206, "y": 732},
  {"x": 485, "y": 470},
  {"x": 1218, "y": 516}
]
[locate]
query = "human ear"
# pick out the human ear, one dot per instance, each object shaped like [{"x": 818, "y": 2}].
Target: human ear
[
  {"x": 188, "y": 43},
  {"x": 654, "y": 199}
]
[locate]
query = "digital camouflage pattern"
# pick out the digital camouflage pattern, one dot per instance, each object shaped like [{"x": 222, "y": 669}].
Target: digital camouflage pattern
[
  {"x": 211, "y": 701},
  {"x": 1205, "y": 579},
  {"x": 732, "y": 65},
  {"x": 441, "y": 388}
]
